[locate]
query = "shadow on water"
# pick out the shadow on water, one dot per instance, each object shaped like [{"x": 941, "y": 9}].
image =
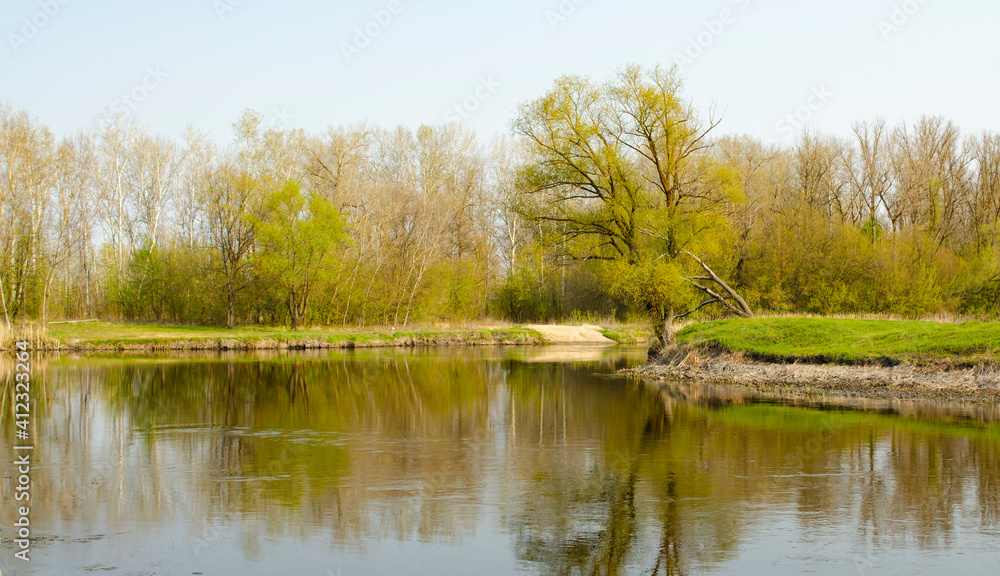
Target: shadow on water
[{"x": 541, "y": 459}]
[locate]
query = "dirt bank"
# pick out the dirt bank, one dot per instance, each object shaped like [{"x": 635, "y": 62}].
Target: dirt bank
[{"x": 980, "y": 384}]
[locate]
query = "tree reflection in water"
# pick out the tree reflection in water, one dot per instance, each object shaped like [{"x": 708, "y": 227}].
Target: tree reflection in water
[{"x": 577, "y": 473}]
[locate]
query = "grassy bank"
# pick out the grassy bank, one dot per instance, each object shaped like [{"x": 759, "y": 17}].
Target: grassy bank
[
  {"x": 632, "y": 333},
  {"x": 114, "y": 336},
  {"x": 854, "y": 342}
]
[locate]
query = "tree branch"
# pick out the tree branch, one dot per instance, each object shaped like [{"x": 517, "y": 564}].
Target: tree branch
[{"x": 744, "y": 310}]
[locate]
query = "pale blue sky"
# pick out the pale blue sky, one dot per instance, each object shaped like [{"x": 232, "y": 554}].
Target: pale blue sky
[{"x": 769, "y": 59}]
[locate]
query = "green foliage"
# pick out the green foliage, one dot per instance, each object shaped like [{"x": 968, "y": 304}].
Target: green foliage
[
  {"x": 589, "y": 212},
  {"x": 133, "y": 292},
  {"x": 806, "y": 264},
  {"x": 526, "y": 297},
  {"x": 455, "y": 292},
  {"x": 300, "y": 234},
  {"x": 186, "y": 293},
  {"x": 981, "y": 294},
  {"x": 619, "y": 168},
  {"x": 657, "y": 285}
]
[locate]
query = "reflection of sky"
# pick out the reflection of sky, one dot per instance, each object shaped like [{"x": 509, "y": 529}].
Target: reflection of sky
[
  {"x": 535, "y": 470},
  {"x": 777, "y": 544},
  {"x": 164, "y": 549}
]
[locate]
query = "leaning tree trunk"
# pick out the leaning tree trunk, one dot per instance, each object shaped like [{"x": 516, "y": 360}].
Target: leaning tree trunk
[
  {"x": 723, "y": 294},
  {"x": 666, "y": 335},
  {"x": 669, "y": 335}
]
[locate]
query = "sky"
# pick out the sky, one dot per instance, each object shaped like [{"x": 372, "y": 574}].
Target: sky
[{"x": 769, "y": 68}]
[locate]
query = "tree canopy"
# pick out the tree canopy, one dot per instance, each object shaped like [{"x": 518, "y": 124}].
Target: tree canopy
[
  {"x": 624, "y": 169},
  {"x": 301, "y": 235}
]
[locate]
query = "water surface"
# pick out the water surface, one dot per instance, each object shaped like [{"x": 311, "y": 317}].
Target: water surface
[{"x": 485, "y": 461}]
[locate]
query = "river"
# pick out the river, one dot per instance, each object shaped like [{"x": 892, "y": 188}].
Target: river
[{"x": 483, "y": 461}]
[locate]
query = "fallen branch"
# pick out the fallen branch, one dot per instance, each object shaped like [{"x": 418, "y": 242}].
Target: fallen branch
[
  {"x": 741, "y": 308},
  {"x": 716, "y": 297}
]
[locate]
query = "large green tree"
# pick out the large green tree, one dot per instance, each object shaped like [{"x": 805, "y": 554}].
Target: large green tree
[
  {"x": 623, "y": 169},
  {"x": 300, "y": 236}
]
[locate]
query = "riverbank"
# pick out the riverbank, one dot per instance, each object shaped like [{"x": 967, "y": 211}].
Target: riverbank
[
  {"x": 108, "y": 337},
  {"x": 855, "y": 358}
]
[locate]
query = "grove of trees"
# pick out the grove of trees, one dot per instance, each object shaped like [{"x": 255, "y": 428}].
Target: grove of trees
[{"x": 614, "y": 198}]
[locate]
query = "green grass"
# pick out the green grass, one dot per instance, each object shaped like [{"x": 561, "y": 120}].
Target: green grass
[
  {"x": 851, "y": 341},
  {"x": 775, "y": 417},
  {"x": 100, "y": 334},
  {"x": 628, "y": 333}
]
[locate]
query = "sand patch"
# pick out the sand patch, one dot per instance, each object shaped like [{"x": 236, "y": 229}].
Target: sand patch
[{"x": 586, "y": 334}]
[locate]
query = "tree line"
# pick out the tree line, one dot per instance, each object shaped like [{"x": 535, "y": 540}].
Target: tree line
[
  {"x": 610, "y": 198},
  {"x": 358, "y": 225}
]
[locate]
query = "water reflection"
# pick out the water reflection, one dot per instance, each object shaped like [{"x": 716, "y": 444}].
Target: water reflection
[{"x": 543, "y": 464}]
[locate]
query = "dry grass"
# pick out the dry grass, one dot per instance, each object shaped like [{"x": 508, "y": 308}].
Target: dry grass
[
  {"x": 36, "y": 334},
  {"x": 939, "y": 317},
  {"x": 441, "y": 326}
]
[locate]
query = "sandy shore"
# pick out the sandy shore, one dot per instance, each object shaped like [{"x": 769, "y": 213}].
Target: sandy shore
[
  {"x": 980, "y": 384},
  {"x": 586, "y": 334}
]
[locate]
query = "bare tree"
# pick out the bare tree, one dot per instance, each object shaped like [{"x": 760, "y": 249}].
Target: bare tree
[
  {"x": 115, "y": 201},
  {"x": 983, "y": 202},
  {"x": 152, "y": 176},
  {"x": 820, "y": 180},
  {"x": 27, "y": 157},
  {"x": 69, "y": 219},
  {"x": 196, "y": 166},
  {"x": 932, "y": 175},
  {"x": 335, "y": 164},
  {"x": 764, "y": 173},
  {"x": 507, "y": 221},
  {"x": 870, "y": 171}
]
